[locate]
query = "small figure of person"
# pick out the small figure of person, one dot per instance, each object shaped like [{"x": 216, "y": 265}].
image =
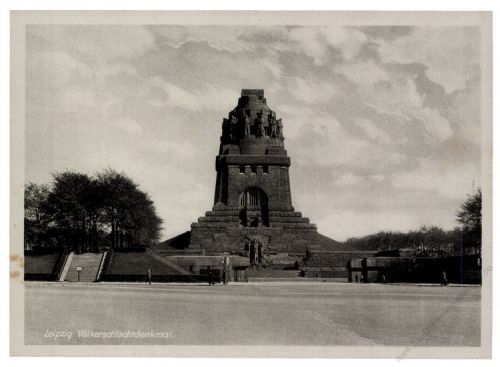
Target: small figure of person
[
  {"x": 384, "y": 280},
  {"x": 225, "y": 274},
  {"x": 149, "y": 275},
  {"x": 444, "y": 278},
  {"x": 209, "y": 276}
]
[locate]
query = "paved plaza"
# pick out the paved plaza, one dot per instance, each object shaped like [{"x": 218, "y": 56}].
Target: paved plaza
[{"x": 252, "y": 313}]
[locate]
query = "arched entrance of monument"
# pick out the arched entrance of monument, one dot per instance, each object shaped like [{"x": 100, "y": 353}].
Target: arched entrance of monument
[{"x": 253, "y": 208}]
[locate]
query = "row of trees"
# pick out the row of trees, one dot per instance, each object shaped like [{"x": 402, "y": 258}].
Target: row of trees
[
  {"x": 84, "y": 213},
  {"x": 465, "y": 238}
]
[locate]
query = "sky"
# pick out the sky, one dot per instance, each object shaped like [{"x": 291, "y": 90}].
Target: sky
[{"x": 382, "y": 123}]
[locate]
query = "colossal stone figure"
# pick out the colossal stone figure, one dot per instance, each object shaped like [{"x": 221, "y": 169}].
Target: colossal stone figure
[
  {"x": 225, "y": 130},
  {"x": 260, "y": 131},
  {"x": 233, "y": 128},
  {"x": 280, "y": 129},
  {"x": 272, "y": 125},
  {"x": 247, "y": 126}
]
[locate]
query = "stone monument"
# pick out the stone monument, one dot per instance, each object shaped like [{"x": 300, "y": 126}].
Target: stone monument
[{"x": 253, "y": 214}]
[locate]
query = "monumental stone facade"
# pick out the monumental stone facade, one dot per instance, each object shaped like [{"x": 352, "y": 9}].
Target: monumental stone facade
[{"x": 253, "y": 214}]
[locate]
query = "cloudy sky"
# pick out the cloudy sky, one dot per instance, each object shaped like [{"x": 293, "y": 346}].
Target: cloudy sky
[{"x": 382, "y": 123}]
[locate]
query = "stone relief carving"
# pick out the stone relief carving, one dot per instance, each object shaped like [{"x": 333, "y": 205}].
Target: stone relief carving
[{"x": 240, "y": 125}]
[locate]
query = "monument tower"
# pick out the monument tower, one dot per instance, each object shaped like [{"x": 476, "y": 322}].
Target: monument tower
[{"x": 253, "y": 214}]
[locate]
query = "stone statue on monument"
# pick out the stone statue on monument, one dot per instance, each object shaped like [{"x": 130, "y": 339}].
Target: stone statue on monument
[
  {"x": 247, "y": 126},
  {"x": 272, "y": 125},
  {"x": 280, "y": 129},
  {"x": 225, "y": 130},
  {"x": 233, "y": 128},
  {"x": 260, "y": 125}
]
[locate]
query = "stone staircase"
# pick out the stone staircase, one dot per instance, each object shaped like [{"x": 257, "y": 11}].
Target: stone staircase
[{"x": 89, "y": 263}]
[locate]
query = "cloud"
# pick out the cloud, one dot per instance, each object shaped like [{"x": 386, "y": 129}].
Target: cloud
[
  {"x": 310, "y": 92},
  {"x": 275, "y": 68},
  {"x": 394, "y": 92},
  {"x": 451, "y": 54},
  {"x": 178, "y": 150},
  {"x": 318, "y": 41},
  {"x": 128, "y": 125},
  {"x": 388, "y": 33},
  {"x": 439, "y": 176},
  {"x": 330, "y": 146},
  {"x": 207, "y": 97},
  {"x": 373, "y": 132},
  {"x": 436, "y": 125},
  {"x": 349, "y": 223},
  {"x": 55, "y": 68},
  {"x": 348, "y": 180},
  {"x": 117, "y": 69},
  {"x": 463, "y": 112},
  {"x": 378, "y": 177},
  {"x": 363, "y": 73},
  {"x": 95, "y": 42},
  {"x": 217, "y": 37}
]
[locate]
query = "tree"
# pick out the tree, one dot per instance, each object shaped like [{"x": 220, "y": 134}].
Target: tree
[
  {"x": 129, "y": 212},
  {"x": 35, "y": 219},
  {"x": 68, "y": 206},
  {"x": 84, "y": 213},
  {"x": 469, "y": 217},
  {"x": 426, "y": 238}
]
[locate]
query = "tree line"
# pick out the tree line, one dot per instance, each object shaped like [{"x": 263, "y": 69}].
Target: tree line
[
  {"x": 85, "y": 213},
  {"x": 465, "y": 238}
]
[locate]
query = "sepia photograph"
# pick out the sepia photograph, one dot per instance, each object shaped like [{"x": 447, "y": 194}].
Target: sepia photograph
[{"x": 251, "y": 184}]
